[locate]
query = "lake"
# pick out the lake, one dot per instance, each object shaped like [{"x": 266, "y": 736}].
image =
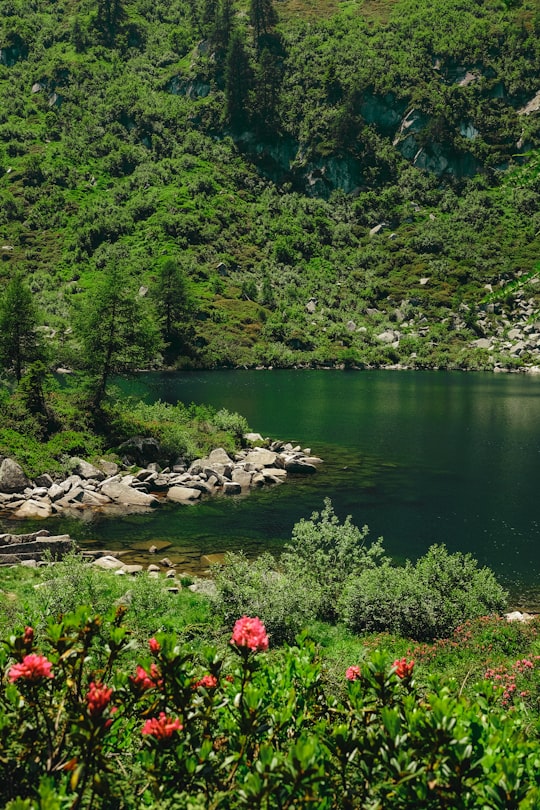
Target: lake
[{"x": 420, "y": 457}]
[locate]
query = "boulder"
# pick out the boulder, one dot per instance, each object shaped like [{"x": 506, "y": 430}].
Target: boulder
[
  {"x": 183, "y": 494},
  {"x": 34, "y": 509},
  {"x": 108, "y": 563},
  {"x": 44, "y": 480},
  {"x": 218, "y": 456},
  {"x": 85, "y": 469},
  {"x": 12, "y": 477},
  {"x": 300, "y": 467},
  {"x": 260, "y": 457},
  {"x": 126, "y": 496},
  {"x": 242, "y": 477},
  {"x": 253, "y": 437},
  {"x": 231, "y": 488},
  {"x": 141, "y": 450}
]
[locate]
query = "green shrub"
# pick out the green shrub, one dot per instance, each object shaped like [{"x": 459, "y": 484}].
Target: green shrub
[
  {"x": 324, "y": 554},
  {"x": 257, "y": 588},
  {"x": 425, "y": 601}
]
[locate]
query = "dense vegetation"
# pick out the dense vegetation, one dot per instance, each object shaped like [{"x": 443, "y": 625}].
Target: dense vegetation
[
  {"x": 152, "y": 702},
  {"x": 220, "y": 166}
]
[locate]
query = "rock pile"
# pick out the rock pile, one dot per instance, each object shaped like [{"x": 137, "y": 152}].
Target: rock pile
[{"x": 107, "y": 488}]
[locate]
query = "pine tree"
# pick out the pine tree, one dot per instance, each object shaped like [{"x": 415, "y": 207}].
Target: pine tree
[
  {"x": 20, "y": 343},
  {"x": 262, "y": 16},
  {"x": 172, "y": 299},
  {"x": 238, "y": 81},
  {"x": 118, "y": 329}
]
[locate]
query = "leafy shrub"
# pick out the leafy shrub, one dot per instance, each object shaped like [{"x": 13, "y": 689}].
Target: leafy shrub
[
  {"x": 324, "y": 554},
  {"x": 246, "y": 728},
  {"x": 424, "y": 601},
  {"x": 256, "y": 587}
]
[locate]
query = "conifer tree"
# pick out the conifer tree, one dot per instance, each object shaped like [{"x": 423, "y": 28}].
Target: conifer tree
[
  {"x": 20, "y": 343},
  {"x": 263, "y": 17},
  {"x": 238, "y": 81},
  {"x": 118, "y": 329}
]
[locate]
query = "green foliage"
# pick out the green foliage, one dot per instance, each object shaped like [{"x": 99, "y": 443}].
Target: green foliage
[
  {"x": 20, "y": 343},
  {"x": 423, "y": 601},
  {"x": 324, "y": 554},
  {"x": 244, "y": 727}
]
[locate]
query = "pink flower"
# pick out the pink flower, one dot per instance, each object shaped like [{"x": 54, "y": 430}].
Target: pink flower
[
  {"x": 402, "y": 668},
  {"x": 352, "y": 673},
  {"x": 251, "y": 633},
  {"x": 162, "y": 727},
  {"x": 32, "y": 668},
  {"x": 143, "y": 680},
  {"x": 208, "y": 681},
  {"x": 154, "y": 645},
  {"x": 98, "y": 698}
]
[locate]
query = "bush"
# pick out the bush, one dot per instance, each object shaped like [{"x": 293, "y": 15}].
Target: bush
[
  {"x": 325, "y": 553},
  {"x": 257, "y": 588},
  {"x": 245, "y": 728},
  {"x": 424, "y": 601}
]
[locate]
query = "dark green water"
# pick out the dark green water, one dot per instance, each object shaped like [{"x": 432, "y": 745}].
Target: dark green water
[{"x": 420, "y": 457}]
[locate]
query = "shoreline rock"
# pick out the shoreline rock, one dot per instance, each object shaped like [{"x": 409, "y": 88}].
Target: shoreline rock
[{"x": 106, "y": 489}]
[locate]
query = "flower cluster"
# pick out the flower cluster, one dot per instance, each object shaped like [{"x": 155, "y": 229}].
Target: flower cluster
[
  {"x": 154, "y": 645},
  {"x": 506, "y": 678},
  {"x": 162, "y": 727},
  {"x": 352, "y": 673},
  {"x": 143, "y": 680},
  {"x": 32, "y": 668},
  {"x": 403, "y": 669},
  {"x": 98, "y": 698},
  {"x": 207, "y": 681},
  {"x": 250, "y": 632}
]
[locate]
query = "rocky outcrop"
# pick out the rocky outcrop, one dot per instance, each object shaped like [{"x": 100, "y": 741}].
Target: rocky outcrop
[
  {"x": 219, "y": 473},
  {"x": 35, "y": 546}
]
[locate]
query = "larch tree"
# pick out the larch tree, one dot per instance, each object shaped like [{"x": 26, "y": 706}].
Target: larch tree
[
  {"x": 20, "y": 343},
  {"x": 118, "y": 329}
]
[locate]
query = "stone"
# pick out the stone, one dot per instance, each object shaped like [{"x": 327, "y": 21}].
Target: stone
[
  {"x": 44, "y": 480},
  {"x": 242, "y": 477},
  {"x": 130, "y": 569},
  {"x": 260, "y": 457},
  {"x": 213, "y": 559},
  {"x": 300, "y": 467},
  {"x": 108, "y": 563},
  {"x": 152, "y": 550},
  {"x": 253, "y": 437},
  {"x": 170, "y": 574},
  {"x": 125, "y": 495},
  {"x": 389, "y": 336},
  {"x": 34, "y": 510},
  {"x": 518, "y": 616},
  {"x": 141, "y": 450},
  {"x": 482, "y": 343},
  {"x": 109, "y": 467},
  {"x": 166, "y": 562},
  {"x": 218, "y": 456},
  {"x": 94, "y": 499},
  {"x": 274, "y": 473},
  {"x": 183, "y": 494},
  {"x": 12, "y": 476},
  {"x": 86, "y": 470},
  {"x": 231, "y": 488}
]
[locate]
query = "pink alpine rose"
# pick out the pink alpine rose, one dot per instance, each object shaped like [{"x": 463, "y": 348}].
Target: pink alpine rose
[
  {"x": 32, "y": 668},
  {"x": 352, "y": 673},
  {"x": 162, "y": 727},
  {"x": 250, "y": 633},
  {"x": 402, "y": 668}
]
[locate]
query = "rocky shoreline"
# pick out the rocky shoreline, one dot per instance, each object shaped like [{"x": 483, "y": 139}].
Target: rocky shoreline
[{"x": 111, "y": 488}]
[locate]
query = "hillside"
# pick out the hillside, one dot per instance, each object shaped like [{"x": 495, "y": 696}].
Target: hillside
[{"x": 352, "y": 183}]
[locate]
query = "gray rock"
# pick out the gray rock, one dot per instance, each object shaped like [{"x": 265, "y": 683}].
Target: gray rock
[
  {"x": 153, "y": 567},
  {"x": 218, "y": 456},
  {"x": 253, "y": 437},
  {"x": 86, "y": 470},
  {"x": 242, "y": 477},
  {"x": 94, "y": 499},
  {"x": 183, "y": 494},
  {"x": 108, "y": 563},
  {"x": 55, "y": 492},
  {"x": 300, "y": 467},
  {"x": 12, "y": 477},
  {"x": 260, "y": 457},
  {"x": 231, "y": 488},
  {"x": 44, "y": 480},
  {"x": 141, "y": 450},
  {"x": 276, "y": 473},
  {"x": 34, "y": 509},
  {"x": 108, "y": 467},
  {"x": 389, "y": 336},
  {"x": 125, "y": 495},
  {"x": 482, "y": 343},
  {"x": 130, "y": 569}
]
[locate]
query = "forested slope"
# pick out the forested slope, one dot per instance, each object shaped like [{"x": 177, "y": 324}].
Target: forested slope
[{"x": 237, "y": 161}]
